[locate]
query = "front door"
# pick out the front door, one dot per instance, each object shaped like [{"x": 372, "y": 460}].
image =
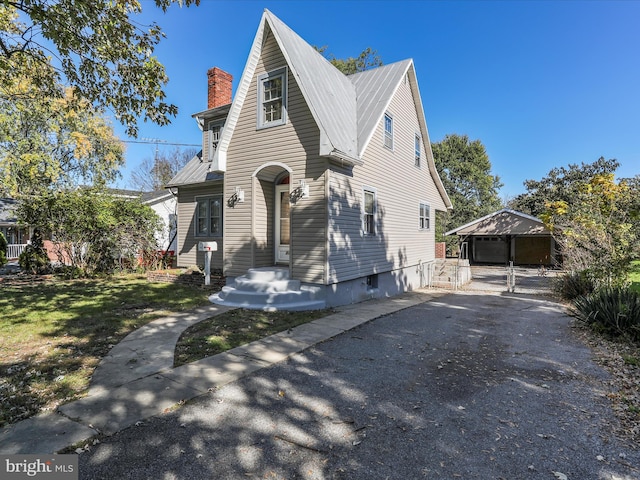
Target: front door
[{"x": 282, "y": 223}]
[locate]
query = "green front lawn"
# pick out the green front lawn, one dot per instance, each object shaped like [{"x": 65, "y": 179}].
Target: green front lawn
[
  {"x": 53, "y": 333},
  {"x": 234, "y": 328}
]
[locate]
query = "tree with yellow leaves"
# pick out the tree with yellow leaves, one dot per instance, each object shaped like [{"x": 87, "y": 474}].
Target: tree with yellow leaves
[
  {"x": 54, "y": 140},
  {"x": 597, "y": 229}
]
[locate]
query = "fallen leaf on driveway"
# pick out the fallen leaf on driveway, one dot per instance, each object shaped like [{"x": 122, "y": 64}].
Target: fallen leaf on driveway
[{"x": 560, "y": 476}]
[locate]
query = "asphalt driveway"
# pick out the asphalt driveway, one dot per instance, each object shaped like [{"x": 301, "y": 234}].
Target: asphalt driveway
[{"x": 472, "y": 385}]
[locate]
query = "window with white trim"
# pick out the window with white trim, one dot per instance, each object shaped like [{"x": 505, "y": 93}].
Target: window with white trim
[
  {"x": 425, "y": 216},
  {"x": 215, "y": 131},
  {"x": 208, "y": 221},
  {"x": 418, "y": 149},
  {"x": 272, "y": 98},
  {"x": 388, "y": 131},
  {"x": 369, "y": 211}
]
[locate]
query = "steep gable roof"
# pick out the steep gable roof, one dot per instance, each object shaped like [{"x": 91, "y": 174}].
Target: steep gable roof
[
  {"x": 330, "y": 95},
  {"x": 346, "y": 109}
]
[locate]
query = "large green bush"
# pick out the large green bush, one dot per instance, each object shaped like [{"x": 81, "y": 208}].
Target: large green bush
[
  {"x": 3, "y": 250},
  {"x": 92, "y": 231},
  {"x": 34, "y": 258},
  {"x": 574, "y": 284},
  {"x": 614, "y": 311}
]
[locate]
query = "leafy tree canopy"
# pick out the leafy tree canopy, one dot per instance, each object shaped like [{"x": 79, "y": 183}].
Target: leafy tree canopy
[
  {"x": 367, "y": 59},
  {"x": 597, "y": 228},
  {"x": 465, "y": 170},
  {"x": 562, "y": 184},
  {"x": 96, "y": 46},
  {"x": 154, "y": 173},
  {"x": 51, "y": 141}
]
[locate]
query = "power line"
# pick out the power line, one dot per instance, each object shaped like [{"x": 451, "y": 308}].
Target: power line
[{"x": 155, "y": 141}]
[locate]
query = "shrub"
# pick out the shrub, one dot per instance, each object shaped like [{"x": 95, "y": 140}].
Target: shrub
[
  {"x": 3, "y": 250},
  {"x": 34, "y": 258},
  {"x": 611, "y": 310},
  {"x": 574, "y": 284}
]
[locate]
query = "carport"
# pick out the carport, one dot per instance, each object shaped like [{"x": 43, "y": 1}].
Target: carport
[{"x": 506, "y": 236}]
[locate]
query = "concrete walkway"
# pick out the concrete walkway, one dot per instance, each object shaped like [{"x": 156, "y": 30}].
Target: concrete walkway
[{"x": 137, "y": 379}]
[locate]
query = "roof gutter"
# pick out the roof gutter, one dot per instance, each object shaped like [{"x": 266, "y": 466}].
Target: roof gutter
[{"x": 345, "y": 158}]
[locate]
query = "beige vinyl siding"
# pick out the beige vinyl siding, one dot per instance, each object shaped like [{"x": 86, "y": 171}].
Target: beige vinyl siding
[
  {"x": 400, "y": 187},
  {"x": 188, "y": 253},
  {"x": 248, "y": 227}
]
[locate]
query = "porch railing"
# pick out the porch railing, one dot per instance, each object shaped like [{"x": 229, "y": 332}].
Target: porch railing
[{"x": 14, "y": 250}]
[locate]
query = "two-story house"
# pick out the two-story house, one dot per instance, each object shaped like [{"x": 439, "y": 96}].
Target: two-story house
[{"x": 319, "y": 188}]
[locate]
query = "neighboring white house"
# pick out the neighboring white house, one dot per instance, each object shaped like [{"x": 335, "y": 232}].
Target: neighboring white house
[
  {"x": 163, "y": 202},
  {"x": 318, "y": 188}
]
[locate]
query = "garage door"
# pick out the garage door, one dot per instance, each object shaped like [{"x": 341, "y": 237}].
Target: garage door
[
  {"x": 490, "y": 250},
  {"x": 533, "y": 250}
]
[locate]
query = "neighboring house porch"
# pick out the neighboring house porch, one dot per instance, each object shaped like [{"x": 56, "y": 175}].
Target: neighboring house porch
[{"x": 16, "y": 236}]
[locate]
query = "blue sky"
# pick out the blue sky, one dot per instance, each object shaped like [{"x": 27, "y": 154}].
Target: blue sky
[{"x": 540, "y": 83}]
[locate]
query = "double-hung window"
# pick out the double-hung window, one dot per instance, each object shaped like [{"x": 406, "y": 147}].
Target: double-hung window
[
  {"x": 417, "y": 148},
  {"x": 369, "y": 211},
  {"x": 208, "y": 221},
  {"x": 425, "y": 216},
  {"x": 388, "y": 131},
  {"x": 272, "y": 98}
]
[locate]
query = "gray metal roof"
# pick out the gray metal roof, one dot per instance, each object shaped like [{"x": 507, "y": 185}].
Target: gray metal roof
[
  {"x": 7, "y": 211},
  {"x": 330, "y": 94},
  {"x": 195, "y": 171}
]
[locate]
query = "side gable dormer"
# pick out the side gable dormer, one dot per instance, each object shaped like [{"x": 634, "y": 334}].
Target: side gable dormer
[{"x": 375, "y": 90}]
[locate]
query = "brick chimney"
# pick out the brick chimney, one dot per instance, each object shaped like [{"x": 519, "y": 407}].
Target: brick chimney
[{"x": 219, "y": 83}]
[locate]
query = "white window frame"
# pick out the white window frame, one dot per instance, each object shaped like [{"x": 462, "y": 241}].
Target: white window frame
[
  {"x": 213, "y": 143},
  {"x": 262, "y": 79},
  {"x": 369, "y": 219},
  {"x": 418, "y": 150},
  {"x": 424, "y": 216},
  {"x": 197, "y": 217},
  {"x": 387, "y": 135}
]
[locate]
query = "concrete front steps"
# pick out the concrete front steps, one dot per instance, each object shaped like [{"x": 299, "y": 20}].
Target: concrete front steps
[
  {"x": 450, "y": 273},
  {"x": 269, "y": 289}
]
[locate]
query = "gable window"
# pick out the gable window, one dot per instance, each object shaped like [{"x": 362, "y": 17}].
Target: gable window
[
  {"x": 425, "y": 216},
  {"x": 215, "y": 130},
  {"x": 417, "y": 142},
  {"x": 369, "y": 211},
  {"x": 388, "y": 131},
  {"x": 208, "y": 221},
  {"x": 272, "y": 98}
]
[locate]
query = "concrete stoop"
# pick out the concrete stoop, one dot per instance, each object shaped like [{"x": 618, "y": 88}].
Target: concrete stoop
[
  {"x": 269, "y": 289},
  {"x": 450, "y": 273}
]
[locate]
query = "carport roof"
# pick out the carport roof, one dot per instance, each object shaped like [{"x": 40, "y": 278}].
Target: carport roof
[{"x": 503, "y": 222}]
